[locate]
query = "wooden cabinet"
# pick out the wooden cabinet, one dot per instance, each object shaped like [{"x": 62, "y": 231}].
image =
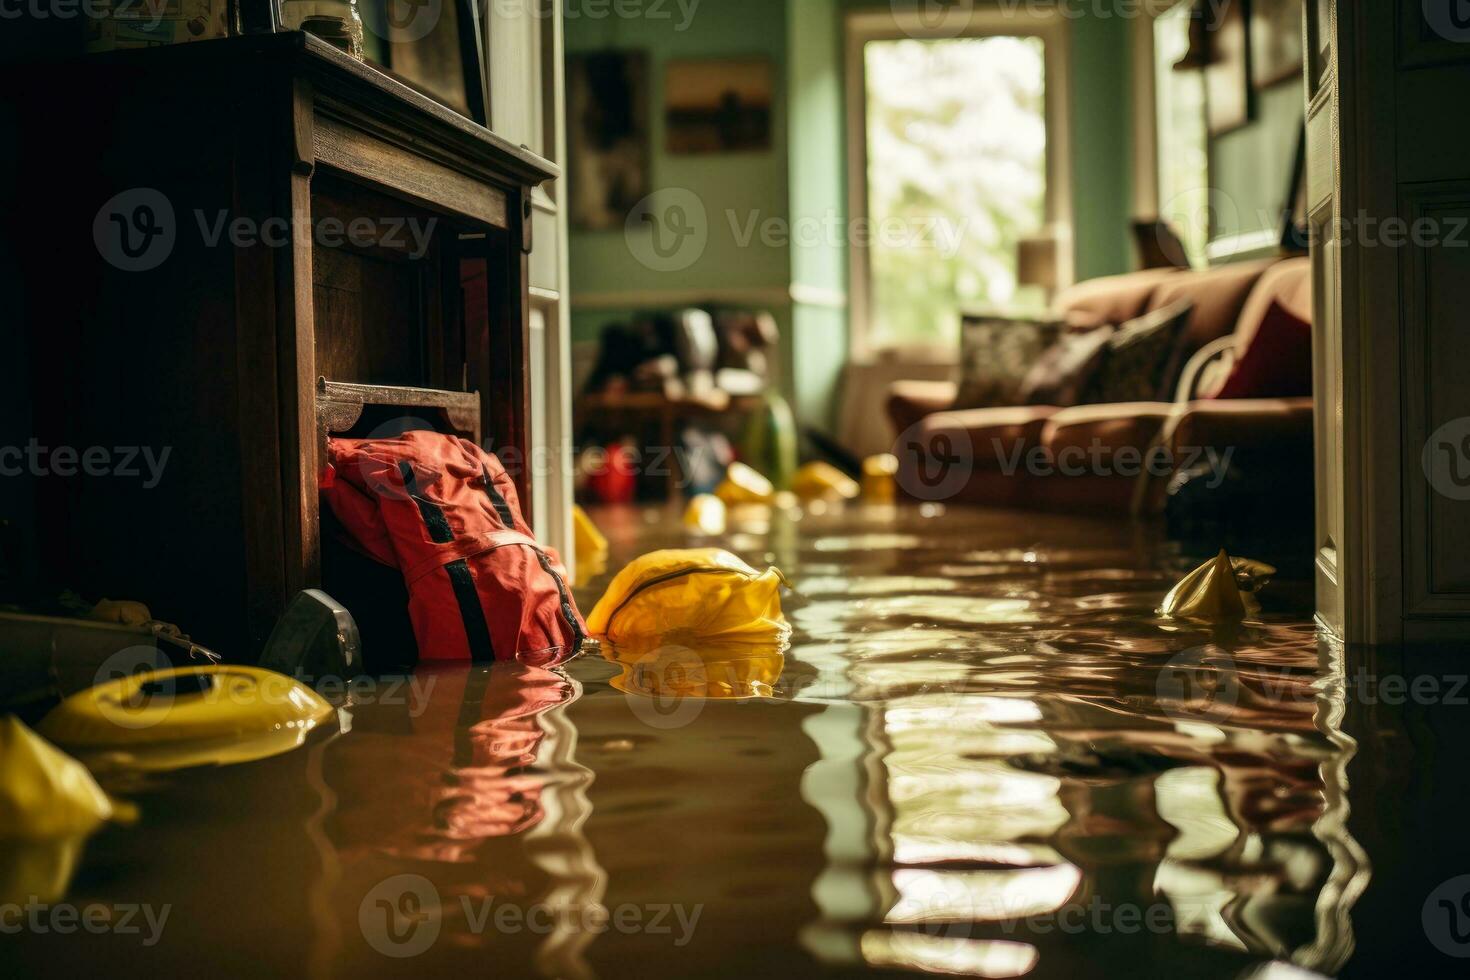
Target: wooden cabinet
[{"x": 204, "y": 234}]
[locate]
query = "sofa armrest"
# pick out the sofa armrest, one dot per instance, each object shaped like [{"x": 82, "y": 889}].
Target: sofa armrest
[
  {"x": 1227, "y": 429},
  {"x": 909, "y": 402},
  {"x": 1275, "y": 425},
  {"x": 1214, "y": 353}
]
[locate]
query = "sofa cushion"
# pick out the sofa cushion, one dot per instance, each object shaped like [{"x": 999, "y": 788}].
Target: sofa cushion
[
  {"x": 1098, "y": 453},
  {"x": 1277, "y": 360},
  {"x": 1287, "y": 283},
  {"x": 1218, "y": 295},
  {"x": 1111, "y": 427},
  {"x": 909, "y": 402},
  {"x": 991, "y": 435},
  {"x": 1140, "y": 356},
  {"x": 995, "y": 354},
  {"x": 1065, "y": 371},
  {"x": 1111, "y": 299},
  {"x": 971, "y": 456}
]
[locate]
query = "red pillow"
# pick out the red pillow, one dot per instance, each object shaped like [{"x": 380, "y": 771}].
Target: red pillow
[{"x": 1278, "y": 361}]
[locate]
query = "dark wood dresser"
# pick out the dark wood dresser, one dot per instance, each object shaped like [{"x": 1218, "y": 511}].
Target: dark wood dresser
[{"x": 225, "y": 249}]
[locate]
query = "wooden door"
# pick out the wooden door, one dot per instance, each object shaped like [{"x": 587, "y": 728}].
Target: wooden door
[{"x": 1389, "y": 162}]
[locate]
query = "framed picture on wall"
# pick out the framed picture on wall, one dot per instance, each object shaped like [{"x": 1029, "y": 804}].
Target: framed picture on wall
[
  {"x": 1227, "y": 76},
  {"x": 721, "y": 106},
  {"x": 1295, "y": 228},
  {"x": 609, "y": 145},
  {"x": 1276, "y": 41}
]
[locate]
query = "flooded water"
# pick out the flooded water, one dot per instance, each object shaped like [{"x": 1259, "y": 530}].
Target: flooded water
[{"x": 982, "y": 754}]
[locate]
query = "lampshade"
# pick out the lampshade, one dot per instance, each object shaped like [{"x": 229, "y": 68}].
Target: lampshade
[
  {"x": 1036, "y": 261},
  {"x": 1200, "y": 52}
]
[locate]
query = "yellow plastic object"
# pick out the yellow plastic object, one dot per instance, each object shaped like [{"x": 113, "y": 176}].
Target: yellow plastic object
[
  {"x": 49, "y": 804},
  {"x": 744, "y": 485},
  {"x": 823, "y": 481},
  {"x": 44, "y": 793},
  {"x": 705, "y": 514},
  {"x": 691, "y": 597},
  {"x": 591, "y": 546},
  {"x": 880, "y": 474},
  {"x": 188, "y": 716},
  {"x": 590, "y": 540},
  {"x": 1217, "y": 591},
  {"x": 722, "y": 668},
  {"x": 121, "y": 611}
]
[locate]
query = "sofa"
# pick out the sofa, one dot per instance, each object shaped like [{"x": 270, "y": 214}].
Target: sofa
[{"x": 1229, "y": 305}]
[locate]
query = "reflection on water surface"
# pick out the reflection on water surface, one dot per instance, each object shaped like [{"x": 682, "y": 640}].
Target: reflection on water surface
[{"x": 981, "y": 754}]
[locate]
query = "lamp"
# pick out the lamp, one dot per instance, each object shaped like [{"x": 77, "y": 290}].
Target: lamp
[
  {"x": 1036, "y": 262},
  {"x": 1200, "y": 53}
]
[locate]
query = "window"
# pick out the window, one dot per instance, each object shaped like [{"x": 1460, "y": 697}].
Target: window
[
  {"x": 953, "y": 165},
  {"x": 1184, "y": 192}
]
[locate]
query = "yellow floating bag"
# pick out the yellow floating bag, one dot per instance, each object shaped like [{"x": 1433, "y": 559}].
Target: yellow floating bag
[
  {"x": 880, "y": 478},
  {"x": 591, "y": 546},
  {"x": 45, "y": 793},
  {"x": 743, "y": 485},
  {"x": 49, "y": 805},
  {"x": 705, "y": 514},
  {"x": 1219, "y": 591},
  {"x": 591, "y": 543},
  {"x": 721, "y": 668},
  {"x": 688, "y": 597},
  {"x": 823, "y": 481}
]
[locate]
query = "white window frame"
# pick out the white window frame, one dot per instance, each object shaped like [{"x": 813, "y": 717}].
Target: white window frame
[{"x": 1054, "y": 29}]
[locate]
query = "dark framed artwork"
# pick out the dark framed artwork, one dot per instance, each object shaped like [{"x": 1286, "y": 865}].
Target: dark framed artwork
[
  {"x": 609, "y": 146},
  {"x": 1277, "y": 47},
  {"x": 1295, "y": 227},
  {"x": 719, "y": 106},
  {"x": 1227, "y": 76},
  {"x": 436, "y": 50}
]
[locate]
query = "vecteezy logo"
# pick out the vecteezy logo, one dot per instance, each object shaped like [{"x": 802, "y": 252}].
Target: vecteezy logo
[
  {"x": 135, "y": 230},
  {"x": 140, "y": 706},
  {"x": 1446, "y": 459},
  {"x": 666, "y": 687},
  {"x": 668, "y": 230},
  {"x": 1198, "y": 683},
  {"x": 935, "y": 459},
  {"x": 401, "y": 21},
  {"x": 933, "y": 18},
  {"x": 1446, "y": 917},
  {"x": 401, "y": 916},
  {"x": 1450, "y": 19}
]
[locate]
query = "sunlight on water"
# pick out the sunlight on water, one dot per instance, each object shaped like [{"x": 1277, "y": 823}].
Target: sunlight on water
[{"x": 977, "y": 756}]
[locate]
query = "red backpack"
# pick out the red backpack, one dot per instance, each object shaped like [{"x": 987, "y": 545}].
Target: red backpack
[{"x": 445, "y": 513}]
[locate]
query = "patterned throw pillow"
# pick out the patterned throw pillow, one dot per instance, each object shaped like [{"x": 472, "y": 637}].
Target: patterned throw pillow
[
  {"x": 1062, "y": 375},
  {"x": 1140, "y": 357},
  {"x": 996, "y": 353}
]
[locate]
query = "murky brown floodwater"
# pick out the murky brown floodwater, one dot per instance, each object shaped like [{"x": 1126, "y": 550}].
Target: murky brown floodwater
[{"x": 983, "y": 754}]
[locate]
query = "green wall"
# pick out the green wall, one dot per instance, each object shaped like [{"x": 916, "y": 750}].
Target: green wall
[
  {"x": 1102, "y": 145},
  {"x": 1251, "y": 166},
  {"x": 818, "y": 190},
  {"x": 803, "y": 176},
  {"x": 744, "y": 185}
]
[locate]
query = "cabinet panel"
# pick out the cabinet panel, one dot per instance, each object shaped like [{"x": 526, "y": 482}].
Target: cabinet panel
[{"x": 1436, "y": 292}]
